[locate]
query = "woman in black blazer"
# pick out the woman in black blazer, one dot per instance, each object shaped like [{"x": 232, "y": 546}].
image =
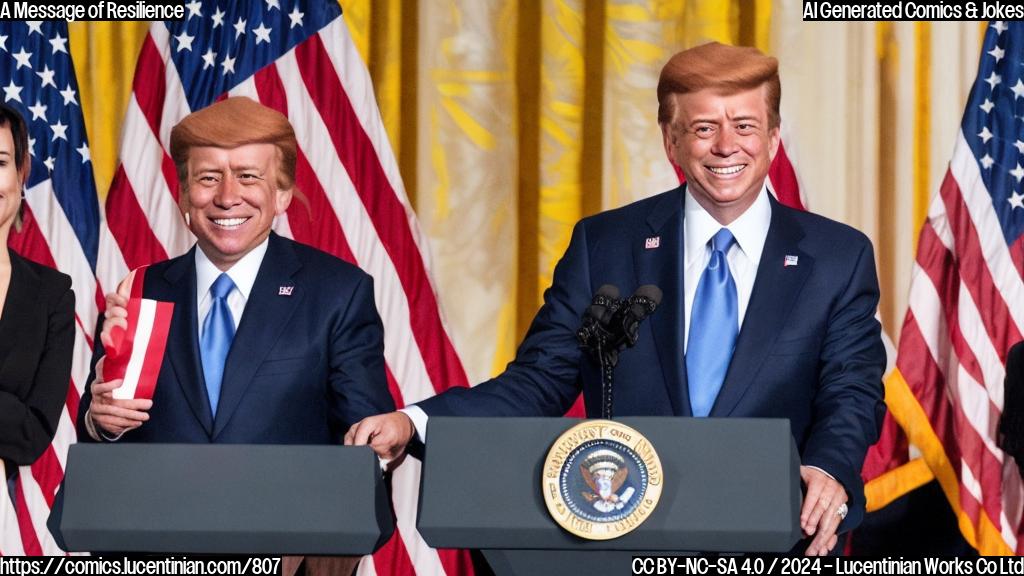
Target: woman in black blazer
[
  {"x": 37, "y": 315},
  {"x": 1011, "y": 424}
]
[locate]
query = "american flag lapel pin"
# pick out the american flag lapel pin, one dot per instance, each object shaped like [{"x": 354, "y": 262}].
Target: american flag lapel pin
[
  {"x": 790, "y": 260},
  {"x": 652, "y": 242},
  {"x": 285, "y": 290}
]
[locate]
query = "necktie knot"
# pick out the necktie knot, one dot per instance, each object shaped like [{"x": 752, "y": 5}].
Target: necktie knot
[
  {"x": 722, "y": 241},
  {"x": 222, "y": 286}
]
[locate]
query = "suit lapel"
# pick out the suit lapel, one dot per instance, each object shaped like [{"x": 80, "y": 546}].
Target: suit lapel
[
  {"x": 183, "y": 350},
  {"x": 264, "y": 319},
  {"x": 19, "y": 307},
  {"x": 663, "y": 267},
  {"x": 776, "y": 289}
]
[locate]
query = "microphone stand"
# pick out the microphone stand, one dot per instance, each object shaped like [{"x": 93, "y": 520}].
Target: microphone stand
[
  {"x": 626, "y": 316},
  {"x": 611, "y": 325},
  {"x": 607, "y": 358}
]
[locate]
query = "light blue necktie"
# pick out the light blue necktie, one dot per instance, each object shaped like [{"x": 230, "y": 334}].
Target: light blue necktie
[
  {"x": 218, "y": 331},
  {"x": 713, "y": 328}
]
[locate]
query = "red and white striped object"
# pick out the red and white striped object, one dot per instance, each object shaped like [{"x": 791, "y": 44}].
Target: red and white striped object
[{"x": 135, "y": 353}]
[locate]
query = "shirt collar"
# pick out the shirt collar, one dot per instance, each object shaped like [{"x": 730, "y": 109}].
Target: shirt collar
[
  {"x": 243, "y": 273},
  {"x": 750, "y": 229}
]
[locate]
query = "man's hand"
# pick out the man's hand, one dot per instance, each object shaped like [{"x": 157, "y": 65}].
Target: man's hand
[
  {"x": 116, "y": 313},
  {"x": 387, "y": 434},
  {"x": 115, "y": 417},
  {"x": 819, "y": 515}
]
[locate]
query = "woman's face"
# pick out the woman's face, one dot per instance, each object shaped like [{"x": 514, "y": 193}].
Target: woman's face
[{"x": 10, "y": 181}]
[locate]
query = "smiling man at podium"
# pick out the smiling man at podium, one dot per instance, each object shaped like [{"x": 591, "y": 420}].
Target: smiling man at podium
[{"x": 767, "y": 311}]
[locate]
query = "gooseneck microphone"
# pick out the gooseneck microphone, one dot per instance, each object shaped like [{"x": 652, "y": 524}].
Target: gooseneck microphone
[{"x": 610, "y": 326}]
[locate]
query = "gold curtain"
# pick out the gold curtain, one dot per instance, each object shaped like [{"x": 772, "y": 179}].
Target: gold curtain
[{"x": 104, "y": 54}]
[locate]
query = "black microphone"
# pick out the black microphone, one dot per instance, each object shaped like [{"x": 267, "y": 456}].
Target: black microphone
[
  {"x": 611, "y": 325},
  {"x": 594, "y": 332},
  {"x": 625, "y": 322}
]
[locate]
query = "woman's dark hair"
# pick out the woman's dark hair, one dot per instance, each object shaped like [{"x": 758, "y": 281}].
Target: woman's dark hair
[{"x": 11, "y": 118}]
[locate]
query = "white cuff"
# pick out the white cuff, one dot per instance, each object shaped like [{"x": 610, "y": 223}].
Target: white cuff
[
  {"x": 419, "y": 420},
  {"x": 825, "y": 472}
]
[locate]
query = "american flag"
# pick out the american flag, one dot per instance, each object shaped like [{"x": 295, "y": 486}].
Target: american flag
[
  {"x": 296, "y": 57},
  {"x": 62, "y": 230},
  {"x": 967, "y": 305}
]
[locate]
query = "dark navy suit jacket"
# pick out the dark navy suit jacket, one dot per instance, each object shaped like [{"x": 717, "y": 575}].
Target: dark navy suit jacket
[
  {"x": 809, "y": 350},
  {"x": 302, "y": 367}
]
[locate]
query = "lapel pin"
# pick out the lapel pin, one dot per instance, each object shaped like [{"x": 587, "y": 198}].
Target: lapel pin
[
  {"x": 285, "y": 290},
  {"x": 790, "y": 261},
  {"x": 652, "y": 242}
]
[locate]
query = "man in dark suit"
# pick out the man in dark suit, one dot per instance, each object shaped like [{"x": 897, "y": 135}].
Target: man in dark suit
[
  {"x": 271, "y": 341},
  {"x": 767, "y": 311}
]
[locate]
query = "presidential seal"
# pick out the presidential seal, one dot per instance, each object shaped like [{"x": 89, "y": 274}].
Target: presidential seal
[{"x": 601, "y": 479}]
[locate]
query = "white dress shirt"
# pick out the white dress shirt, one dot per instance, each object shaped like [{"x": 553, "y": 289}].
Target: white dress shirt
[
  {"x": 750, "y": 231},
  {"x": 242, "y": 273}
]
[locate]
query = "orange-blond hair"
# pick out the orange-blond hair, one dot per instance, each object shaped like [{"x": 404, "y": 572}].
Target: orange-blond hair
[
  {"x": 728, "y": 69},
  {"x": 231, "y": 123}
]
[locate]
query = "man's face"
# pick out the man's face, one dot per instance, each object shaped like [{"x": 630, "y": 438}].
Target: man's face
[
  {"x": 724, "y": 146},
  {"x": 232, "y": 199}
]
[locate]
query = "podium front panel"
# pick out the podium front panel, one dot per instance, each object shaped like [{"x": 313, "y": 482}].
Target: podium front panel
[
  {"x": 224, "y": 498},
  {"x": 731, "y": 485}
]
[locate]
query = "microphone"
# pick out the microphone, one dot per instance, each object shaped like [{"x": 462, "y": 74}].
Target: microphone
[
  {"x": 593, "y": 333},
  {"x": 611, "y": 325},
  {"x": 625, "y": 322}
]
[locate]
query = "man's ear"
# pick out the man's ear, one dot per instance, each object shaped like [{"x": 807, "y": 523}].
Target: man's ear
[
  {"x": 282, "y": 200},
  {"x": 184, "y": 205},
  {"x": 774, "y": 138},
  {"x": 668, "y": 140}
]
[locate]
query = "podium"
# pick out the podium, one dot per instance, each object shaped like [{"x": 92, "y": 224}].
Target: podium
[
  {"x": 224, "y": 498},
  {"x": 731, "y": 485}
]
